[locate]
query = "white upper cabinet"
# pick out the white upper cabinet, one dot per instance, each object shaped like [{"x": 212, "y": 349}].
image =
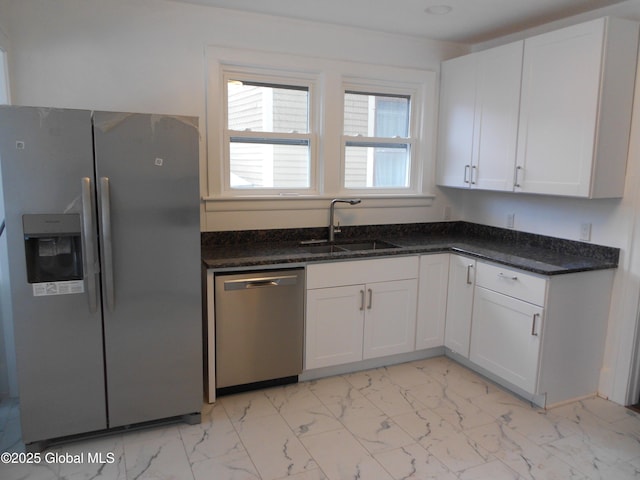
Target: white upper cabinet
[
  {"x": 480, "y": 95},
  {"x": 457, "y": 112},
  {"x": 550, "y": 115},
  {"x": 575, "y": 112},
  {"x": 497, "y": 107}
]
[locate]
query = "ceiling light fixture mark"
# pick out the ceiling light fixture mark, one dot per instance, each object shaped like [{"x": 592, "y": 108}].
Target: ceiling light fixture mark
[{"x": 438, "y": 9}]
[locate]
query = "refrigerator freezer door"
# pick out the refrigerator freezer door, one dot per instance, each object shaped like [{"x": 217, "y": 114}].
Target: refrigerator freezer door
[
  {"x": 153, "y": 320},
  {"x": 44, "y": 154}
]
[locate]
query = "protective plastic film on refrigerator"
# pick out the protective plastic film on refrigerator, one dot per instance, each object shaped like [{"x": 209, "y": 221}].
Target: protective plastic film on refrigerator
[{"x": 103, "y": 254}]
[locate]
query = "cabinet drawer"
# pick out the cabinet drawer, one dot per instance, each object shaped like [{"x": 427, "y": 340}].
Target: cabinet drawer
[
  {"x": 514, "y": 283},
  {"x": 333, "y": 274}
]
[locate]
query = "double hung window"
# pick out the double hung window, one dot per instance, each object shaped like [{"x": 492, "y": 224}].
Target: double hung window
[
  {"x": 268, "y": 135},
  {"x": 307, "y": 129},
  {"x": 377, "y": 141}
]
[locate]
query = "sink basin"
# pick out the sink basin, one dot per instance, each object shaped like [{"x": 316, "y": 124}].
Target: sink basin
[
  {"x": 321, "y": 248},
  {"x": 367, "y": 245},
  {"x": 347, "y": 247}
]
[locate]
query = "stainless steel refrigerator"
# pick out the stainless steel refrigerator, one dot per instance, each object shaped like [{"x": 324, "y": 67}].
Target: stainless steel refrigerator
[{"x": 103, "y": 253}]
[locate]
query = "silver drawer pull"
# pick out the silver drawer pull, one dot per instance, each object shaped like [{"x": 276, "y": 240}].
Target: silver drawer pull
[
  {"x": 502, "y": 275},
  {"x": 469, "y": 267},
  {"x": 361, "y": 300},
  {"x": 533, "y": 324}
]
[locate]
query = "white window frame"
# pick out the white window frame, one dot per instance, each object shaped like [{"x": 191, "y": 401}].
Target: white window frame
[
  {"x": 276, "y": 78},
  {"x": 5, "y": 97},
  {"x": 381, "y": 87},
  {"x": 328, "y": 77}
]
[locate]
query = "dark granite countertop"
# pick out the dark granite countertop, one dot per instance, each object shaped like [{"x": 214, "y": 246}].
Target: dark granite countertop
[{"x": 534, "y": 253}]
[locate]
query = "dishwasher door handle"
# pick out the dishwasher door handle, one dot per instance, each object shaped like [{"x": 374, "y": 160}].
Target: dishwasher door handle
[{"x": 261, "y": 282}]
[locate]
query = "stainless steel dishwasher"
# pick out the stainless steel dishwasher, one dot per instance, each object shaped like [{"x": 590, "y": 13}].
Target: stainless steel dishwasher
[{"x": 259, "y": 328}]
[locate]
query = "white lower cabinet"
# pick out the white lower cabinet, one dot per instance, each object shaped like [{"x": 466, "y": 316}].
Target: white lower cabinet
[
  {"x": 432, "y": 300},
  {"x": 508, "y": 324},
  {"x": 459, "y": 304},
  {"x": 390, "y": 318},
  {"x": 506, "y": 337},
  {"x": 371, "y": 314},
  {"x": 335, "y": 323},
  {"x": 542, "y": 335}
]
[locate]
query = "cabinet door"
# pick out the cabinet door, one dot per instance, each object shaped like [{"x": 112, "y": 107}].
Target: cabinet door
[
  {"x": 390, "y": 321},
  {"x": 334, "y": 324},
  {"x": 496, "y": 117},
  {"x": 457, "y": 106},
  {"x": 506, "y": 337},
  {"x": 559, "y": 108},
  {"x": 432, "y": 300},
  {"x": 459, "y": 304}
]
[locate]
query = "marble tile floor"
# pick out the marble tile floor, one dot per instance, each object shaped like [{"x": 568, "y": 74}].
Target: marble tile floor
[{"x": 428, "y": 419}]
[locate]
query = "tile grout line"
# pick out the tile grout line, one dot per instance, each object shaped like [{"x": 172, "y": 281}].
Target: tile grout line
[{"x": 233, "y": 424}]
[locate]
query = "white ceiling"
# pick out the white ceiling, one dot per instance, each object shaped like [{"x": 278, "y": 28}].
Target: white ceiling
[{"x": 470, "y": 21}]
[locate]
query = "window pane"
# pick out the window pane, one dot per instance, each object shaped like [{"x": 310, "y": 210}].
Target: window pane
[
  {"x": 264, "y": 165},
  {"x": 377, "y": 167},
  {"x": 267, "y": 108},
  {"x": 372, "y": 115}
]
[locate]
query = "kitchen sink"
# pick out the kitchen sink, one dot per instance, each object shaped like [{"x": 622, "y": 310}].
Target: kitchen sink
[
  {"x": 347, "y": 247},
  {"x": 322, "y": 248},
  {"x": 367, "y": 245}
]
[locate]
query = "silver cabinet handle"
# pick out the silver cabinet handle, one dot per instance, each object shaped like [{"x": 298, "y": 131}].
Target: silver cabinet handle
[
  {"x": 107, "y": 243},
  {"x": 370, "y": 299},
  {"x": 469, "y": 267},
  {"x": 533, "y": 324},
  {"x": 466, "y": 173},
  {"x": 89, "y": 245},
  {"x": 502, "y": 275},
  {"x": 516, "y": 183},
  {"x": 361, "y": 300},
  {"x": 474, "y": 174}
]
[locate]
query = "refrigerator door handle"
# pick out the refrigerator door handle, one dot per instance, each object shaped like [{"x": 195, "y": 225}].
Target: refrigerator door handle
[
  {"x": 105, "y": 226},
  {"x": 88, "y": 244}
]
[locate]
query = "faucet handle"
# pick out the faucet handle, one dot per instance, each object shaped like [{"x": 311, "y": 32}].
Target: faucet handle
[{"x": 337, "y": 228}]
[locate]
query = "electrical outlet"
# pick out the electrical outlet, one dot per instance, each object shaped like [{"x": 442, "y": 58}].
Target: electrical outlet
[
  {"x": 511, "y": 220},
  {"x": 585, "y": 232},
  {"x": 446, "y": 212}
]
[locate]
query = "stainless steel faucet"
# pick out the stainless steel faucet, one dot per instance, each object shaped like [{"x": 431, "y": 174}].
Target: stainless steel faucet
[{"x": 336, "y": 229}]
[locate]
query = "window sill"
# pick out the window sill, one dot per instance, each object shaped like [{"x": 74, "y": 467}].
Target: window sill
[{"x": 302, "y": 202}]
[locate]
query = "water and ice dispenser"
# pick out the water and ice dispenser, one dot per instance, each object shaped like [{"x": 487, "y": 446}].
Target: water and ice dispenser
[{"x": 53, "y": 247}]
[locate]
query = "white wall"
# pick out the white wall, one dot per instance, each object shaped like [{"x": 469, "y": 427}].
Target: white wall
[{"x": 147, "y": 55}]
